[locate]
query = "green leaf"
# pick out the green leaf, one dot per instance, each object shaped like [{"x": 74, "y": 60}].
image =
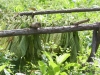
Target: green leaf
[
  {"x": 55, "y": 67},
  {"x": 69, "y": 65},
  {"x": 6, "y": 72},
  {"x": 14, "y": 47},
  {"x": 50, "y": 71},
  {"x": 60, "y": 59},
  {"x": 48, "y": 56},
  {"x": 2, "y": 67},
  {"x": 42, "y": 66},
  {"x": 63, "y": 73},
  {"x": 23, "y": 45},
  {"x": 58, "y": 16},
  {"x": 42, "y": 0},
  {"x": 19, "y": 8}
]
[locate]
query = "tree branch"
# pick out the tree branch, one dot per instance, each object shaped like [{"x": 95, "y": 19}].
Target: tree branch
[
  {"x": 80, "y": 22},
  {"x": 59, "y": 11},
  {"x": 48, "y": 30}
]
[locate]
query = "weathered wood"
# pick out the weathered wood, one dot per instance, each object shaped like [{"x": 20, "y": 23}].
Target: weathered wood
[
  {"x": 48, "y": 30},
  {"x": 98, "y": 39},
  {"x": 94, "y": 46},
  {"x": 59, "y": 11},
  {"x": 80, "y": 22}
]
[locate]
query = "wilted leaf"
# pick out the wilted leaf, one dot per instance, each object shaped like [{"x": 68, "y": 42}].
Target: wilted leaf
[{"x": 23, "y": 45}]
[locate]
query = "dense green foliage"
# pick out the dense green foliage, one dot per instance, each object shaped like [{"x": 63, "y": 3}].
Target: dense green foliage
[{"x": 47, "y": 54}]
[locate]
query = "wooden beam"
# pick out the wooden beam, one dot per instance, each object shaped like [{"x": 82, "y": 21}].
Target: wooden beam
[
  {"x": 49, "y": 30},
  {"x": 59, "y": 11}
]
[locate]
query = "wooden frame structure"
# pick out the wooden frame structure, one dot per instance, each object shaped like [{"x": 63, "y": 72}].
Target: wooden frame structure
[{"x": 27, "y": 31}]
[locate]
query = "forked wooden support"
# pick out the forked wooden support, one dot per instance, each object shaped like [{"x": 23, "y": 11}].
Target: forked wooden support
[{"x": 95, "y": 44}]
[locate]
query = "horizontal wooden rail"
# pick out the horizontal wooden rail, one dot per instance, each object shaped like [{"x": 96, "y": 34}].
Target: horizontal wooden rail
[
  {"x": 48, "y": 30},
  {"x": 59, "y": 11}
]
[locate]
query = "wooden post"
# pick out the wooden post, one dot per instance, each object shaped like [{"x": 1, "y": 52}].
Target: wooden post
[{"x": 95, "y": 44}]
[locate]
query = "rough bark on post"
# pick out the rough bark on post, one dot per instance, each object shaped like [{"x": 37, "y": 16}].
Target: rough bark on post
[{"x": 95, "y": 44}]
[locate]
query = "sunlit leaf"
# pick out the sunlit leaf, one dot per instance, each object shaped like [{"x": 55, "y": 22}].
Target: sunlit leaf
[
  {"x": 48, "y": 56},
  {"x": 42, "y": 66},
  {"x": 55, "y": 67},
  {"x": 63, "y": 73},
  {"x": 2, "y": 67},
  {"x": 60, "y": 59},
  {"x": 19, "y": 8},
  {"x": 6, "y": 72}
]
